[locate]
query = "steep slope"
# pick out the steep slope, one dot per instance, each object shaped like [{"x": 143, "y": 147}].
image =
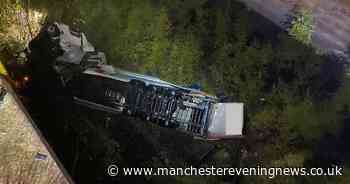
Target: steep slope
[{"x": 332, "y": 19}]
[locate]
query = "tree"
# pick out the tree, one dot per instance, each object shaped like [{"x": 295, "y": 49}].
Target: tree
[
  {"x": 182, "y": 66},
  {"x": 160, "y": 44}
]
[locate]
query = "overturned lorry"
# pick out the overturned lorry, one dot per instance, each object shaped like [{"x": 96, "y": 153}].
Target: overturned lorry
[{"x": 95, "y": 84}]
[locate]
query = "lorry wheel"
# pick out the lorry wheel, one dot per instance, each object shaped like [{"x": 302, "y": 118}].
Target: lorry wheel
[{"x": 53, "y": 31}]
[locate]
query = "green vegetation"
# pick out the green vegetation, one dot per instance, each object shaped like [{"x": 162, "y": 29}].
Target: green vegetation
[
  {"x": 18, "y": 24},
  {"x": 8, "y": 13},
  {"x": 302, "y": 26},
  {"x": 293, "y": 97}
]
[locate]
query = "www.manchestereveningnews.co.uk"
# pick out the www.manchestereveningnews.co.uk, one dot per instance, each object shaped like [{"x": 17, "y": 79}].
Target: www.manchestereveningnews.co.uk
[{"x": 114, "y": 170}]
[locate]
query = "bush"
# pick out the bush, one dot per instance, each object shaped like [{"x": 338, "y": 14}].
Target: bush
[{"x": 302, "y": 26}]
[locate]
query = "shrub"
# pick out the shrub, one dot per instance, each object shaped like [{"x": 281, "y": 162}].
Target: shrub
[{"x": 302, "y": 26}]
